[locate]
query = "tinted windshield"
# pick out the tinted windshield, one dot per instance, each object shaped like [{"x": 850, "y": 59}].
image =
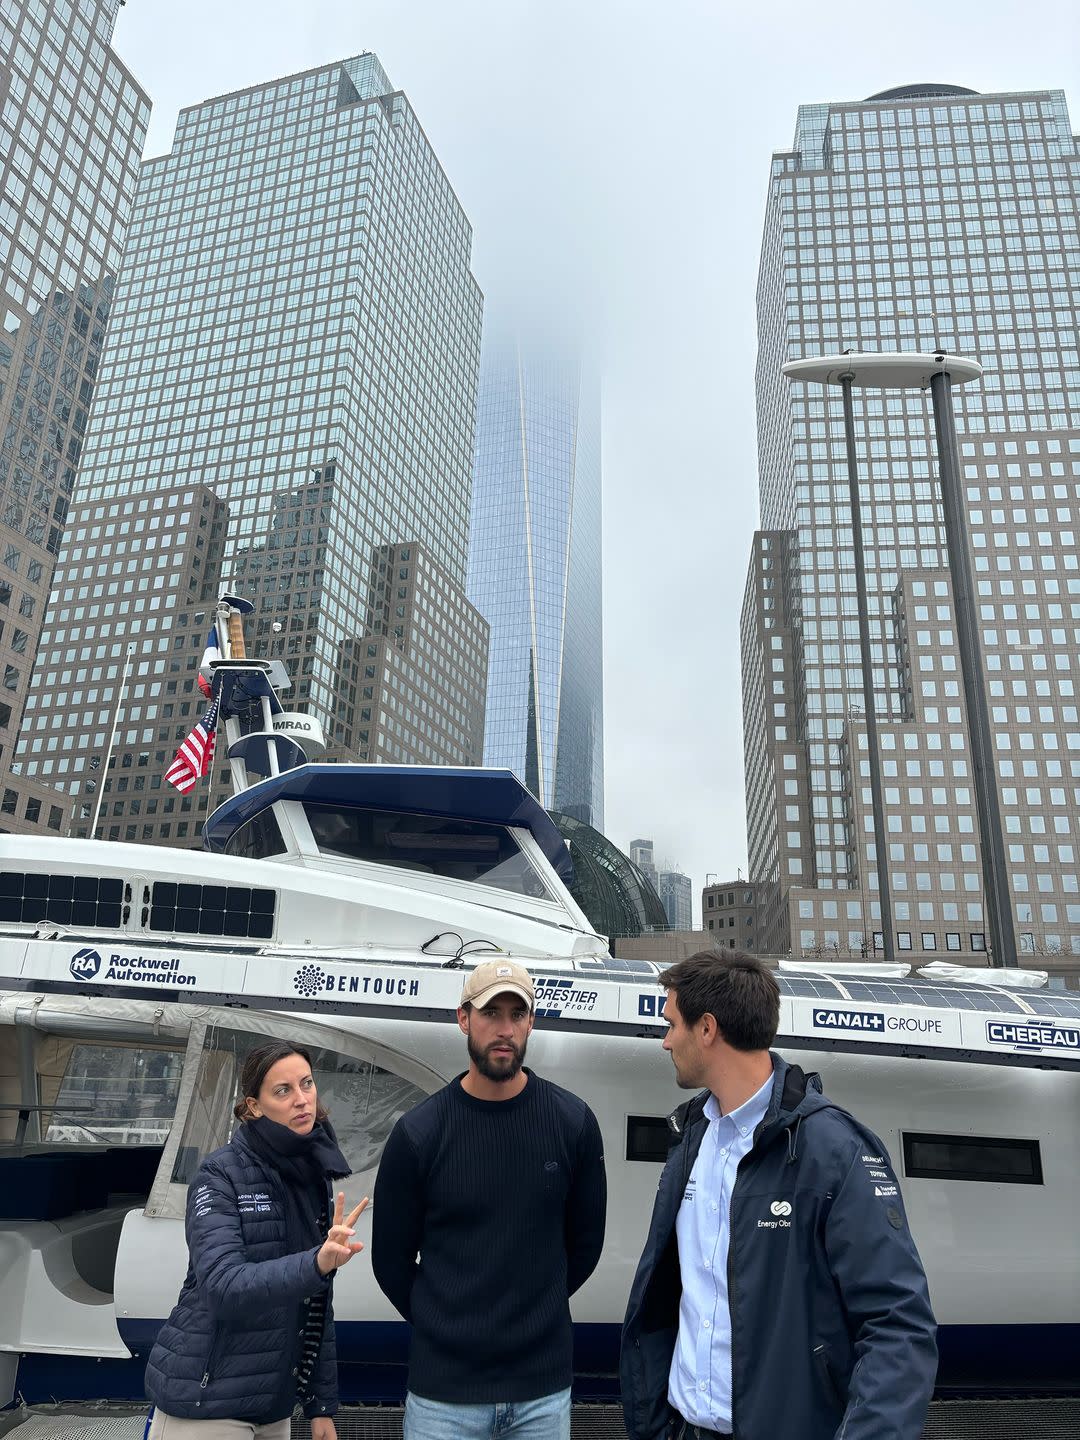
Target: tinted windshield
[{"x": 459, "y": 849}]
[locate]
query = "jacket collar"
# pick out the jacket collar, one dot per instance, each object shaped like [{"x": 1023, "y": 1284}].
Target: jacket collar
[{"x": 795, "y": 1094}]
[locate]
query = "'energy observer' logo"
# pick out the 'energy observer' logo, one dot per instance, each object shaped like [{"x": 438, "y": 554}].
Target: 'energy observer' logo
[{"x": 780, "y": 1210}]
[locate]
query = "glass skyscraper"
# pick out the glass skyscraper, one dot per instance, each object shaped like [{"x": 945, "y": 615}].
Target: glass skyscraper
[
  {"x": 535, "y": 569},
  {"x": 72, "y": 128},
  {"x": 297, "y": 328},
  {"x": 926, "y": 218}
]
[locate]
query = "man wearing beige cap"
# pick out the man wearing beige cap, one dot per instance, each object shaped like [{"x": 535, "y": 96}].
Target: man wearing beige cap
[{"x": 489, "y": 1214}]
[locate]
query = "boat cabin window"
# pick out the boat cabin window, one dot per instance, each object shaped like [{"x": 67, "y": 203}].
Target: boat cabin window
[
  {"x": 457, "y": 849},
  {"x": 257, "y": 838},
  {"x": 997, "y": 1159},
  {"x": 648, "y": 1138},
  {"x": 364, "y": 1101},
  {"x": 100, "y": 1094},
  {"x": 114, "y": 1094}
]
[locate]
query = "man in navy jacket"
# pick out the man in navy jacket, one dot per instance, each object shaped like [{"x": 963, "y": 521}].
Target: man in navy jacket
[{"x": 780, "y": 1295}]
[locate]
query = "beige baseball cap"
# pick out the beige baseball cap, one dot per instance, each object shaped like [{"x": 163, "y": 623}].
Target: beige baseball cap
[{"x": 497, "y": 977}]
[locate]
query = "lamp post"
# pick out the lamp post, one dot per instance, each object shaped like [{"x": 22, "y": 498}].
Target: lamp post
[{"x": 939, "y": 372}]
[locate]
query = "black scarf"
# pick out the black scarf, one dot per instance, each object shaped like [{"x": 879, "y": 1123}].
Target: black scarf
[{"x": 306, "y": 1164}]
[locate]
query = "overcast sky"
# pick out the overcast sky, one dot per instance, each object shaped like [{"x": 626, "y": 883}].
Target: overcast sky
[{"x": 613, "y": 159}]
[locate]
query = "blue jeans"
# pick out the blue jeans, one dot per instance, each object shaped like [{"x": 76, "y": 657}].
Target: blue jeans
[{"x": 545, "y": 1419}]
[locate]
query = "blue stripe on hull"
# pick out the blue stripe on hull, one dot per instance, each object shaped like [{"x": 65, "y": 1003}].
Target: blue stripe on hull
[{"x": 975, "y": 1360}]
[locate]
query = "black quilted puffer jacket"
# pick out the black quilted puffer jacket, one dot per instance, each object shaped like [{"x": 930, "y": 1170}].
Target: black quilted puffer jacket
[{"x": 232, "y": 1347}]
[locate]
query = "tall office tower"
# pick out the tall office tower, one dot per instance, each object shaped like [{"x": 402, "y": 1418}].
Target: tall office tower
[
  {"x": 534, "y": 570},
  {"x": 72, "y": 128},
  {"x": 642, "y": 855},
  {"x": 298, "y": 329},
  {"x": 923, "y": 218},
  {"x": 677, "y": 897},
  {"x": 123, "y": 600}
]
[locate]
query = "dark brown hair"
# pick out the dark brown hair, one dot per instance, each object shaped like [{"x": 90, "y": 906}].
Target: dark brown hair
[
  {"x": 256, "y": 1064},
  {"x": 735, "y": 988}
]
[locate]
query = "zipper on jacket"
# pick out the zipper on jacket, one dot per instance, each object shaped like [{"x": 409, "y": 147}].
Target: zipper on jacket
[
  {"x": 731, "y": 1270},
  {"x": 821, "y": 1356},
  {"x": 731, "y": 1294},
  {"x": 209, "y": 1361}
]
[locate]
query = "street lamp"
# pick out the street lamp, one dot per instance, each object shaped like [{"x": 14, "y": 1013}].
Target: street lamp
[{"x": 939, "y": 372}]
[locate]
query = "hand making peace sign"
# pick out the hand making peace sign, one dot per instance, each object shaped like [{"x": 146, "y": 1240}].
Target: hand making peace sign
[{"x": 338, "y": 1248}]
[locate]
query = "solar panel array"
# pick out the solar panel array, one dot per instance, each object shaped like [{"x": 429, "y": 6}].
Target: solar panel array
[
  {"x": 1054, "y": 1000},
  {"x": 942, "y": 995}
]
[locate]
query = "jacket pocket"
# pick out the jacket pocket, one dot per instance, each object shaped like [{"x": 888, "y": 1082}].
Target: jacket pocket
[
  {"x": 825, "y": 1374},
  {"x": 211, "y": 1356}
]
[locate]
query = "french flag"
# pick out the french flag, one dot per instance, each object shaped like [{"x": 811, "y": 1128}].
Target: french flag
[{"x": 212, "y": 652}]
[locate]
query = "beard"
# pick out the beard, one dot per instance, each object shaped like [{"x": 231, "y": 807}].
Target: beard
[
  {"x": 687, "y": 1077},
  {"x": 497, "y": 1067}
]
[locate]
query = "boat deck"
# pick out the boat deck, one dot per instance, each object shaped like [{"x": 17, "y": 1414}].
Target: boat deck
[{"x": 1022, "y": 1419}]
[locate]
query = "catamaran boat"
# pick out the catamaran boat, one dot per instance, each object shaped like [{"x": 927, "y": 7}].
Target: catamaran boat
[{"x": 338, "y": 905}]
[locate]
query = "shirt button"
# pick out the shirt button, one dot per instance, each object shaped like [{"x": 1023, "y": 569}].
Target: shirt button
[
  {"x": 702, "y": 1385},
  {"x": 723, "y": 1152},
  {"x": 707, "y": 1324},
  {"x": 708, "y": 1264}
]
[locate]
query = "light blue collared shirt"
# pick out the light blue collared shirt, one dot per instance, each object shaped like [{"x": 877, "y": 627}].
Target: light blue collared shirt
[{"x": 699, "y": 1383}]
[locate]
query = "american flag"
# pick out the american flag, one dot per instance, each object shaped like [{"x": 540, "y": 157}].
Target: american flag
[{"x": 196, "y": 754}]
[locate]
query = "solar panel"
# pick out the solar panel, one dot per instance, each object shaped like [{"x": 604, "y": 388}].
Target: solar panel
[
  {"x": 617, "y": 968},
  {"x": 817, "y": 989},
  {"x": 936, "y": 994},
  {"x": 1059, "y": 1003}
]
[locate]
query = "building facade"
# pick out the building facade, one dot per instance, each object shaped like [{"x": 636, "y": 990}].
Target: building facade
[
  {"x": 642, "y": 855},
  {"x": 72, "y": 128},
  {"x": 729, "y": 914},
  {"x": 535, "y": 570},
  {"x": 927, "y": 218},
  {"x": 160, "y": 603},
  {"x": 297, "y": 326},
  {"x": 406, "y": 698},
  {"x": 677, "y": 897}
]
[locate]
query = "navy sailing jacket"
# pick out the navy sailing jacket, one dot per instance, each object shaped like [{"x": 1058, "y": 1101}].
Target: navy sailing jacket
[
  {"x": 231, "y": 1348},
  {"x": 832, "y": 1335}
]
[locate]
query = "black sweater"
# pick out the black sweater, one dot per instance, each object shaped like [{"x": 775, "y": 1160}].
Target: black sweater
[{"x": 505, "y": 1202}]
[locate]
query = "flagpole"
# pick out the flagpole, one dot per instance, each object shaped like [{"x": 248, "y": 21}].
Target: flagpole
[
  {"x": 210, "y": 785},
  {"x": 125, "y": 677}
]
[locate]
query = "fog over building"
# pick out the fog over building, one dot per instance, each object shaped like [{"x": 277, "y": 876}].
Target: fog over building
[
  {"x": 296, "y": 328},
  {"x": 676, "y": 893},
  {"x": 926, "y": 218},
  {"x": 72, "y": 128},
  {"x": 535, "y": 568}
]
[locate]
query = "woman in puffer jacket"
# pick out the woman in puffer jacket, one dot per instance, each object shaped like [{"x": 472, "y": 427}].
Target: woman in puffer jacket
[{"x": 252, "y": 1334}]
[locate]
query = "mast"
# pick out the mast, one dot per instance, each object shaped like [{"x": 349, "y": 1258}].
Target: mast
[{"x": 281, "y": 739}]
